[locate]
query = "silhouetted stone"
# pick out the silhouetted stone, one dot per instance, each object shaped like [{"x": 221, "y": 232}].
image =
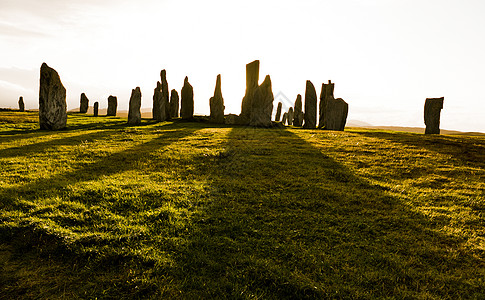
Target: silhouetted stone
[
  {"x": 165, "y": 94},
  {"x": 134, "y": 114},
  {"x": 216, "y": 104},
  {"x": 291, "y": 115},
  {"x": 278, "y": 112},
  {"x": 298, "y": 112},
  {"x": 95, "y": 109},
  {"x": 284, "y": 118},
  {"x": 432, "y": 111},
  {"x": 84, "y": 104},
  {"x": 174, "y": 104},
  {"x": 158, "y": 110},
  {"x": 262, "y": 105},
  {"x": 187, "y": 101},
  {"x": 231, "y": 119},
  {"x": 325, "y": 94},
  {"x": 112, "y": 106},
  {"x": 21, "y": 104},
  {"x": 52, "y": 100},
  {"x": 310, "y": 116},
  {"x": 252, "y": 79},
  {"x": 336, "y": 114}
]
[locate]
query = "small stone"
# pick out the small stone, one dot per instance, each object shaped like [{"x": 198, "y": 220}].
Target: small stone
[
  {"x": 216, "y": 104},
  {"x": 252, "y": 79},
  {"x": 187, "y": 101},
  {"x": 112, "y": 106},
  {"x": 52, "y": 100},
  {"x": 21, "y": 104},
  {"x": 278, "y": 112},
  {"x": 262, "y": 105},
  {"x": 174, "y": 104},
  {"x": 134, "y": 114},
  {"x": 231, "y": 119},
  {"x": 83, "y": 108},
  {"x": 290, "y": 116},
  {"x": 432, "y": 112},
  {"x": 298, "y": 113},
  {"x": 310, "y": 116},
  {"x": 95, "y": 109},
  {"x": 284, "y": 118}
]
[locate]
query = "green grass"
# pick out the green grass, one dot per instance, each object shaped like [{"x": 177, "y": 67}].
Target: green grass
[{"x": 192, "y": 210}]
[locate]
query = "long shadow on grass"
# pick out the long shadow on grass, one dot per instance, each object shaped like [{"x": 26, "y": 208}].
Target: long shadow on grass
[{"x": 285, "y": 220}]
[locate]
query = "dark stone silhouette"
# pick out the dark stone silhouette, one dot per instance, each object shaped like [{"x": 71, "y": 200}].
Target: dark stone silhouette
[
  {"x": 52, "y": 100},
  {"x": 262, "y": 105},
  {"x": 95, "y": 109},
  {"x": 134, "y": 114},
  {"x": 187, "y": 101},
  {"x": 83, "y": 108},
  {"x": 298, "y": 112},
  {"x": 278, "y": 112},
  {"x": 112, "y": 106},
  {"x": 432, "y": 111},
  {"x": 165, "y": 94},
  {"x": 21, "y": 104},
  {"x": 284, "y": 118},
  {"x": 158, "y": 110},
  {"x": 252, "y": 79},
  {"x": 231, "y": 119},
  {"x": 174, "y": 104},
  {"x": 216, "y": 104},
  {"x": 291, "y": 116},
  {"x": 325, "y": 94},
  {"x": 337, "y": 110},
  {"x": 310, "y": 116}
]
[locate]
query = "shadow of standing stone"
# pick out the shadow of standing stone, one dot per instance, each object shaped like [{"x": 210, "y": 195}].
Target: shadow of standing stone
[
  {"x": 52, "y": 100},
  {"x": 252, "y": 79},
  {"x": 134, "y": 114},
  {"x": 216, "y": 104},
  {"x": 187, "y": 101},
  {"x": 174, "y": 104},
  {"x": 21, "y": 104},
  {"x": 310, "y": 116},
  {"x": 432, "y": 111},
  {"x": 95, "y": 109},
  {"x": 262, "y": 105},
  {"x": 112, "y": 105},
  {"x": 84, "y": 104}
]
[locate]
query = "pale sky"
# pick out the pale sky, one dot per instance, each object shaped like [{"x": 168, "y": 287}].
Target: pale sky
[{"x": 385, "y": 56}]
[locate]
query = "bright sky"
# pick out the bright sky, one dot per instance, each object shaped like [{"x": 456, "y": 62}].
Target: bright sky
[{"x": 385, "y": 57}]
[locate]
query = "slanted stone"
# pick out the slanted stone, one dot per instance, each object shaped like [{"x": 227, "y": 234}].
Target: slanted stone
[
  {"x": 158, "y": 110},
  {"x": 174, "y": 104},
  {"x": 278, "y": 112},
  {"x": 432, "y": 112},
  {"x": 336, "y": 114},
  {"x": 95, "y": 109},
  {"x": 187, "y": 101},
  {"x": 298, "y": 112},
  {"x": 252, "y": 79},
  {"x": 112, "y": 106},
  {"x": 326, "y": 95},
  {"x": 165, "y": 94},
  {"x": 84, "y": 104},
  {"x": 216, "y": 104},
  {"x": 310, "y": 116},
  {"x": 52, "y": 100},
  {"x": 284, "y": 118},
  {"x": 134, "y": 114},
  {"x": 21, "y": 104},
  {"x": 262, "y": 105}
]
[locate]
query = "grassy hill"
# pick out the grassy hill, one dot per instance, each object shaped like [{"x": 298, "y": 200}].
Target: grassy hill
[{"x": 192, "y": 210}]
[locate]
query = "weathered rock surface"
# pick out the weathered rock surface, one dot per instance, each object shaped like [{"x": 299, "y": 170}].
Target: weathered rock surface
[
  {"x": 174, "y": 104},
  {"x": 95, "y": 109},
  {"x": 432, "y": 112},
  {"x": 336, "y": 114},
  {"x": 325, "y": 94},
  {"x": 291, "y": 115},
  {"x": 284, "y": 118},
  {"x": 158, "y": 109},
  {"x": 298, "y": 112},
  {"x": 134, "y": 114},
  {"x": 21, "y": 104},
  {"x": 165, "y": 94},
  {"x": 252, "y": 79},
  {"x": 84, "y": 104},
  {"x": 217, "y": 104},
  {"x": 112, "y": 106},
  {"x": 52, "y": 100},
  {"x": 310, "y": 116},
  {"x": 278, "y": 112},
  {"x": 262, "y": 105},
  {"x": 231, "y": 119},
  {"x": 187, "y": 101}
]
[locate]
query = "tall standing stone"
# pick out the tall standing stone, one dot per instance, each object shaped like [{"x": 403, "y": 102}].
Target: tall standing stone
[
  {"x": 278, "y": 112},
  {"x": 291, "y": 115},
  {"x": 159, "y": 105},
  {"x": 262, "y": 105},
  {"x": 298, "y": 113},
  {"x": 326, "y": 95},
  {"x": 95, "y": 109},
  {"x": 284, "y": 118},
  {"x": 310, "y": 116},
  {"x": 165, "y": 94},
  {"x": 336, "y": 114},
  {"x": 252, "y": 79},
  {"x": 432, "y": 111},
  {"x": 216, "y": 104},
  {"x": 174, "y": 104},
  {"x": 83, "y": 108},
  {"x": 112, "y": 106},
  {"x": 52, "y": 100},
  {"x": 134, "y": 114},
  {"x": 187, "y": 101},
  {"x": 21, "y": 104}
]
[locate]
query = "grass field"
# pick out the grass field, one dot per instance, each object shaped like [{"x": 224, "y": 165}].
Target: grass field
[{"x": 193, "y": 210}]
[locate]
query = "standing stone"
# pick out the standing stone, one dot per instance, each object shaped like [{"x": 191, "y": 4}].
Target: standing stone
[
  {"x": 158, "y": 110},
  {"x": 95, "y": 109},
  {"x": 52, "y": 100},
  {"x": 187, "y": 101},
  {"x": 252, "y": 79},
  {"x": 262, "y": 105},
  {"x": 174, "y": 104},
  {"x": 336, "y": 114},
  {"x": 165, "y": 94},
  {"x": 278, "y": 112},
  {"x": 83, "y": 108},
  {"x": 216, "y": 104},
  {"x": 325, "y": 95},
  {"x": 298, "y": 113},
  {"x": 284, "y": 118},
  {"x": 112, "y": 105},
  {"x": 21, "y": 104},
  {"x": 134, "y": 114},
  {"x": 432, "y": 111},
  {"x": 310, "y": 116},
  {"x": 291, "y": 115}
]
